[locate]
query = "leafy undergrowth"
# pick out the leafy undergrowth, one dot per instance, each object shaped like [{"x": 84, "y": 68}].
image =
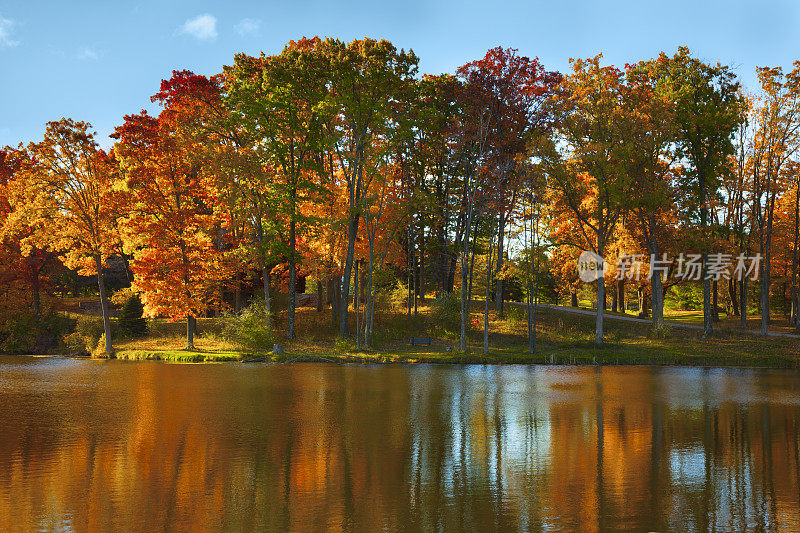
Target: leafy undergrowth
[{"x": 562, "y": 338}]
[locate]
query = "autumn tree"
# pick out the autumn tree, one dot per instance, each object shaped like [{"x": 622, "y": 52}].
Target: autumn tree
[
  {"x": 708, "y": 110},
  {"x": 22, "y": 265},
  {"x": 777, "y": 139},
  {"x": 278, "y": 100},
  {"x": 171, "y": 221},
  {"x": 67, "y": 197},
  {"x": 648, "y": 153},
  {"x": 365, "y": 78},
  {"x": 513, "y": 89},
  {"x": 584, "y": 160}
]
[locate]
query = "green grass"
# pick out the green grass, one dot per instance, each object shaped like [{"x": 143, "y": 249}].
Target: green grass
[
  {"x": 178, "y": 356},
  {"x": 563, "y": 338}
]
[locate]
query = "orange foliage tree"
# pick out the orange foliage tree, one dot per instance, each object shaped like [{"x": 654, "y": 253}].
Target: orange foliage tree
[
  {"x": 171, "y": 222},
  {"x": 66, "y": 197}
]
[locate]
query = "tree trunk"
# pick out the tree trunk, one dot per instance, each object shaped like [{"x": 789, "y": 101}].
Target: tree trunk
[
  {"x": 421, "y": 268},
  {"x": 471, "y": 269},
  {"x": 292, "y": 280},
  {"x": 715, "y": 301},
  {"x": 462, "y": 342},
  {"x": 357, "y": 305},
  {"x": 601, "y": 296},
  {"x": 191, "y": 327},
  {"x": 708, "y": 329},
  {"x": 533, "y": 301},
  {"x": 292, "y": 300},
  {"x": 348, "y": 271},
  {"x": 101, "y": 284},
  {"x": 764, "y": 294},
  {"x": 573, "y": 299},
  {"x": 319, "y": 296},
  {"x": 605, "y": 300},
  {"x": 743, "y": 303},
  {"x": 267, "y": 299},
  {"x": 486, "y": 303},
  {"x": 498, "y": 295},
  {"x": 355, "y": 282},
  {"x": 370, "y": 299},
  {"x": 336, "y": 297},
  {"x": 621, "y": 295},
  {"x": 657, "y": 299},
  {"x": 656, "y": 291},
  {"x": 614, "y": 293},
  {"x": 734, "y": 298},
  {"x": 797, "y": 302},
  {"x": 644, "y": 304}
]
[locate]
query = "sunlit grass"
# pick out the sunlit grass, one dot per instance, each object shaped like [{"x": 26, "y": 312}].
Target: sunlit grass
[{"x": 562, "y": 338}]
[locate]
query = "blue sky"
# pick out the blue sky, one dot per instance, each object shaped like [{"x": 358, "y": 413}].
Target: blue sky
[{"x": 97, "y": 61}]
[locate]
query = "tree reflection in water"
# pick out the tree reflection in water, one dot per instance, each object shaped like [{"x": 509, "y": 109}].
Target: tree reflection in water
[{"x": 108, "y": 445}]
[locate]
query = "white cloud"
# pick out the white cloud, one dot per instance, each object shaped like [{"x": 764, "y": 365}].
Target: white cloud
[
  {"x": 6, "y": 31},
  {"x": 248, "y": 27},
  {"x": 202, "y": 27},
  {"x": 88, "y": 54}
]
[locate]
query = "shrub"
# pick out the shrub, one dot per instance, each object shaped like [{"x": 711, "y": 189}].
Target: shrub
[
  {"x": 344, "y": 344},
  {"x": 25, "y": 333},
  {"x": 120, "y": 297},
  {"x": 249, "y": 328},
  {"x": 86, "y": 336},
  {"x": 399, "y": 296},
  {"x": 131, "y": 322},
  {"x": 446, "y": 312}
]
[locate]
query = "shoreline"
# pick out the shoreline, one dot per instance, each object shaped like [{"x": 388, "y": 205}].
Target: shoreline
[{"x": 408, "y": 358}]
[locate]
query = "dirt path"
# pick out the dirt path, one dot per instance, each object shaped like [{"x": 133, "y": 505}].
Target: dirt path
[{"x": 607, "y": 316}]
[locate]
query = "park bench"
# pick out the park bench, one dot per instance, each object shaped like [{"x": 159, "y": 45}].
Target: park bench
[{"x": 421, "y": 341}]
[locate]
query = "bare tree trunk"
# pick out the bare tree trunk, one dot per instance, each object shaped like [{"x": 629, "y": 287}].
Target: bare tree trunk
[
  {"x": 715, "y": 301},
  {"x": 191, "y": 327},
  {"x": 355, "y": 283},
  {"x": 370, "y": 299},
  {"x": 657, "y": 299},
  {"x": 734, "y": 298},
  {"x": 336, "y": 297},
  {"x": 421, "y": 269},
  {"x": 498, "y": 296},
  {"x": 352, "y": 232},
  {"x": 486, "y": 303},
  {"x": 472, "y": 266},
  {"x": 319, "y": 296},
  {"x": 357, "y": 305},
  {"x": 743, "y": 303},
  {"x": 101, "y": 284},
  {"x": 292, "y": 299},
  {"x": 614, "y": 307},
  {"x": 598, "y": 326},
  {"x": 601, "y": 296},
  {"x": 267, "y": 299},
  {"x": 765, "y": 266},
  {"x": 708, "y": 329}
]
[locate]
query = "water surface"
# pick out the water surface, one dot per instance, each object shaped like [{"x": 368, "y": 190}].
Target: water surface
[{"x": 90, "y": 445}]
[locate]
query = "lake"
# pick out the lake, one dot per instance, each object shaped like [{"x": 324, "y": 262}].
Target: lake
[{"x": 110, "y": 445}]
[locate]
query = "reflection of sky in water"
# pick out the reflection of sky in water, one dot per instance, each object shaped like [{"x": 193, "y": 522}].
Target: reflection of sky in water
[
  {"x": 309, "y": 447},
  {"x": 687, "y": 466}
]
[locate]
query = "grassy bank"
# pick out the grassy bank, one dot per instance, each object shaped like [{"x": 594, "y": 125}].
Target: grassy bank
[{"x": 563, "y": 338}]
